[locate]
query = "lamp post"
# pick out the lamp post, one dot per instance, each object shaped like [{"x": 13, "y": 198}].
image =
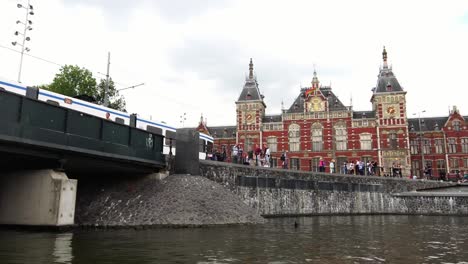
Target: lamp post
[
  {"x": 27, "y": 27},
  {"x": 421, "y": 141},
  {"x": 183, "y": 118}
]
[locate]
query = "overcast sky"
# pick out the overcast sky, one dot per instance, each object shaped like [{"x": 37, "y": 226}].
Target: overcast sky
[{"x": 193, "y": 55}]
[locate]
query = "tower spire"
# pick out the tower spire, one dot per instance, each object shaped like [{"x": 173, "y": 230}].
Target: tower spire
[
  {"x": 384, "y": 56},
  {"x": 251, "y": 69},
  {"x": 315, "y": 81}
]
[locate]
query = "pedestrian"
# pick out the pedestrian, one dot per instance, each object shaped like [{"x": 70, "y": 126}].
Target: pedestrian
[
  {"x": 321, "y": 165},
  {"x": 284, "y": 160},
  {"x": 332, "y": 166},
  {"x": 267, "y": 156},
  {"x": 234, "y": 153}
]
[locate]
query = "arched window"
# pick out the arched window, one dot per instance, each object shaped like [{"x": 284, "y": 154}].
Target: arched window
[
  {"x": 317, "y": 137},
  {"x": 341, "y": 136},
  {"x": 366, "y": 141},
  {"x": 294, "y": 137}
]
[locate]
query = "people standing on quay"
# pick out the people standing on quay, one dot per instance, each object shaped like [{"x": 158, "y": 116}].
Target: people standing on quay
[
  {"x": 284, "y": 159},
  {"x": 321, "y": 165},
  {"x": 234, "y": 154},
  {"x": 332, "y": 166},
  {"x": 258, "y": 151},
  {"x": 267, "y": 156}
]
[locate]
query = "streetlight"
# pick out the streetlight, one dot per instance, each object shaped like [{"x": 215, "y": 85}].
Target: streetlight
[
  {"x": 27, "y": 27},
  {"x": 183, "y": 118},
  {"x": 421, "y": 140}
]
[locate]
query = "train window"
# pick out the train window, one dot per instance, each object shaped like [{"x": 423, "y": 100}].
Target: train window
[
  {"x": 119, "y": 120},
  {"x": 154, "y": 130},
  {"x": 170, "y": 136},
  {"x": 52, "y": 102},
  {"x": 209, "y": 147},
  {"x": 201, "y": 145}
]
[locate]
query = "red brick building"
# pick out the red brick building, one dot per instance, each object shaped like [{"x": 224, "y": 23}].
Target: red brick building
[{"x": 318, "y": 125}]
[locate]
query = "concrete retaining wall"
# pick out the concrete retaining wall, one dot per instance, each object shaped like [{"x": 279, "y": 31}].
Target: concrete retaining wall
[{"x": 285, "y": 192}]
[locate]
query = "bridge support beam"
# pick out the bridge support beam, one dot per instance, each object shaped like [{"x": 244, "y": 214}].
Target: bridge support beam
[
  {"x": 187, "y": 155},
  {"x": 37, "y": 198}
]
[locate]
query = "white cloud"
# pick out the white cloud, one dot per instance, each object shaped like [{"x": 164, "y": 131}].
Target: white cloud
[{"x": 193, "y": 57}]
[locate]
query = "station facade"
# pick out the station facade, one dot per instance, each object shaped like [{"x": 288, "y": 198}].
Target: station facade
[{"x": 319, "y": 126}]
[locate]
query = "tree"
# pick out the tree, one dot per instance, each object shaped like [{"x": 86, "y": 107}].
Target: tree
[
  {"x": 115, "y": 100},
  {"x": 74, "y": 81}
]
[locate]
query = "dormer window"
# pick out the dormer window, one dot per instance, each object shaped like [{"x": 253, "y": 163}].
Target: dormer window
[
  {"x": 436, "y": 126},
  {"x": 389, "y": 87},
  {"x": 456, "y": 125}
]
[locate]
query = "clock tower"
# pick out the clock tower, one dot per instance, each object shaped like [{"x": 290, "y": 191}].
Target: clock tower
[
  {"x": 389, "y": 104},
  {"x": 250, "y": 109}
]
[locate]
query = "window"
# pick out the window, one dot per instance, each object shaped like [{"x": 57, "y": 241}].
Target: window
[
  {"x": 314, "y": 165},
  {"x": 248, "y": 144},
  {"x": 294, "y": 137},
  {"x": 453, "y": 162},
  {"x": 456, "y": 125},
  {"x": 452, "y": 145},
  {"x": 341, "y": 136},
  {"x": 464, "y": 143},
  {"x": 294, "y": 164},
  {"x": 414, "y": 146},
  {"x": 439, "y": 145},
  {"x": 392, "y": 140},
  {"x": 426, "y": 146},
  {"x": 416, "y": 168},
  {"x": 441, "y": 167},
  {"x": 274, "y": 163},
  {"x": 366, "y": 141},
  {"x": 465, "y": 163},
  {"x": 272, "y": 144},
  {"x": 317, "y": 137}
]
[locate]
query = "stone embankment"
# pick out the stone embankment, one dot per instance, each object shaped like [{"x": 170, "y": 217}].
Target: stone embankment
[{"x": 178, "y": 200}]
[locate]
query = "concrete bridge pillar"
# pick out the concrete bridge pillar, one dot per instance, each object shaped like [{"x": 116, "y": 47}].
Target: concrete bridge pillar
[
  {"x": 187, "y": 152},
  {"x": 37, "y": 197}
]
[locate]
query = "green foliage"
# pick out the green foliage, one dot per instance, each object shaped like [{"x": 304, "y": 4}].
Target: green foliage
[
  {"x": 73, "y": 81},
  {"x": 115, "y": 101}
]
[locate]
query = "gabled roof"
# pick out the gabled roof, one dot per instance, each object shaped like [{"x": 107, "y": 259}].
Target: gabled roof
[
  {"x": 272, "y": 118},
  {"x": 363, "y": 114},
  {"x": 251, "y": 92},
  {"x": 325, "y": 92},
  {"x": 223, "y": 131},
  {"x": 387, "y": 82},
  {"x": 427, "y": 123}
]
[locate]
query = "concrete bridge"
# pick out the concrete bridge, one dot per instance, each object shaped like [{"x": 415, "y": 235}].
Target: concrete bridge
[{"x": 36, "y": 136}]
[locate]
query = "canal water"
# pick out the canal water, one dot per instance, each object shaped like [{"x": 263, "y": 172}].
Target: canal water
[{"x": 324, "y": 239}]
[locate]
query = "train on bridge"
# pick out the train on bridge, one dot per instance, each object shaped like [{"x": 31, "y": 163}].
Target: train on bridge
[{"x": 156, "y": 127}]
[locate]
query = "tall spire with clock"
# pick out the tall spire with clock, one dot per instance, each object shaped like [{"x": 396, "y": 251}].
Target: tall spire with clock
[
  {"x": 389, "y": 105},
  {"x": 250, "y": 109}
]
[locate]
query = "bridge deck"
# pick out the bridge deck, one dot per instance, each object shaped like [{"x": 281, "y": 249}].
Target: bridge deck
[{"x": 35, "y": 132}]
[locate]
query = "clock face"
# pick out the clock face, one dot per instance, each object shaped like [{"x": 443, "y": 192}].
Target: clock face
[
  {"x": 315, "y": 104},
  {"x": 250, "y": 117},
  {"x": 391, "y": 111}
]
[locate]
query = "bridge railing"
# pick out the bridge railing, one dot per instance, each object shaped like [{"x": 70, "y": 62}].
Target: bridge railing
[{"x": 41, "y": 124}]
